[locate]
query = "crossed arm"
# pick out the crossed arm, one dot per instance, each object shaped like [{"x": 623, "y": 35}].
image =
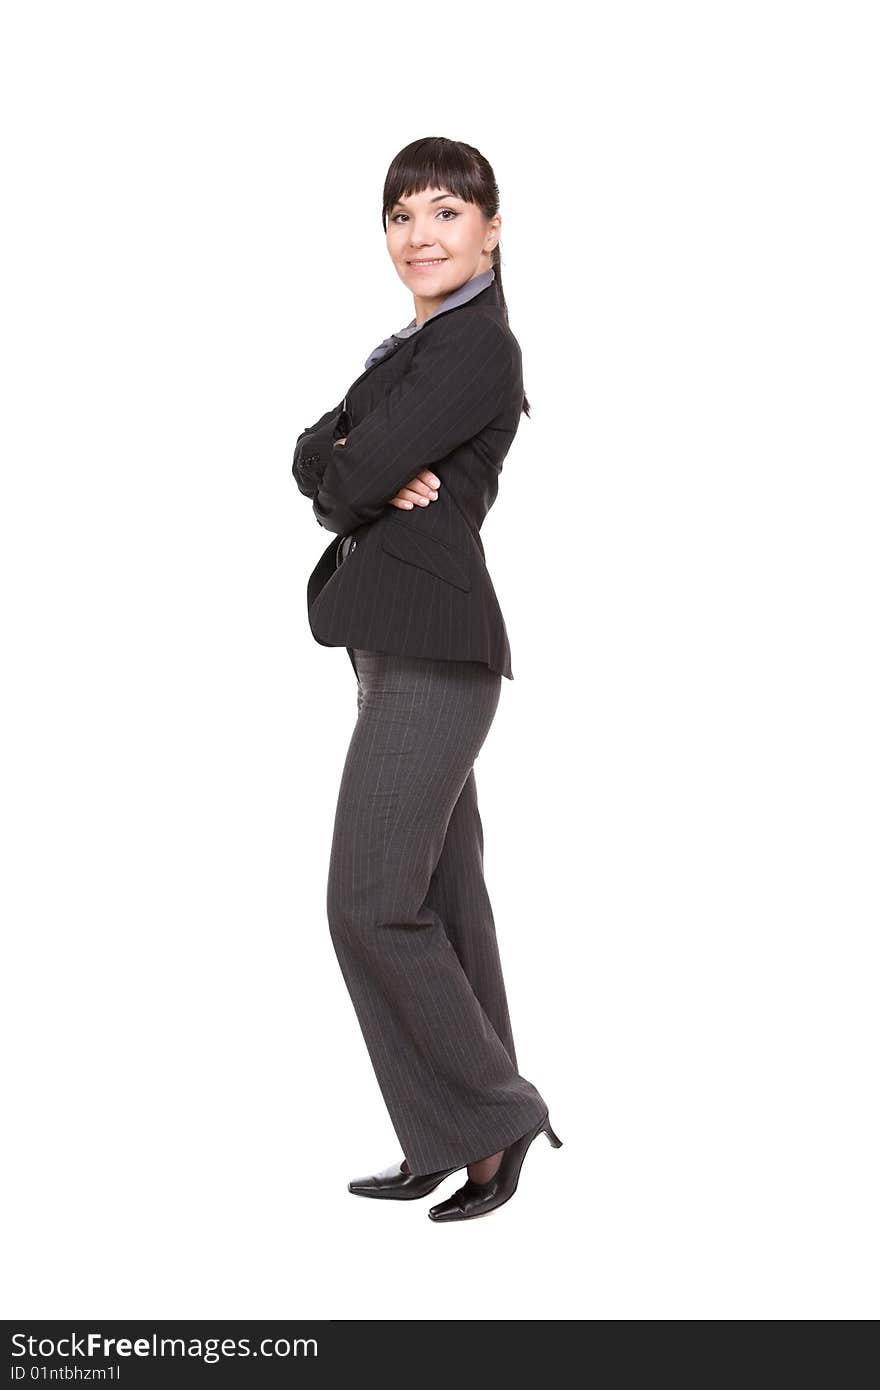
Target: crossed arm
[
  {"x": 421, "y": 489},
  {"x": 453, "y": 387}
]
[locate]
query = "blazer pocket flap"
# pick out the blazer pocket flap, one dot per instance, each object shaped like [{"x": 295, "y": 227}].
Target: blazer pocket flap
[{"x": 418, "y": 548}]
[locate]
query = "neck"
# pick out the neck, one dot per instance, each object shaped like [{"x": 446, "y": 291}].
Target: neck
[{"x": 424, "y": 308}]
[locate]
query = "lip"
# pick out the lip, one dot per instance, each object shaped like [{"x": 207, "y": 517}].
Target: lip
[{"x": 428, "y": 265}]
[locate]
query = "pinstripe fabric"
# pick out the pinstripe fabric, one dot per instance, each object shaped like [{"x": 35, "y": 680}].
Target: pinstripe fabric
[
  {"x": 471, "y": 287},
  {"x": 409, "y": 913},
  {"x": 448, "y": 398}
]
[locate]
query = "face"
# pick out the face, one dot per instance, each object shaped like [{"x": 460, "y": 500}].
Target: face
[{"x": 452, "y": 237}]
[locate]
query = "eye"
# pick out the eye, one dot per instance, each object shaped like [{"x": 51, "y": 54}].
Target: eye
[{"x": 452, "y": 214}]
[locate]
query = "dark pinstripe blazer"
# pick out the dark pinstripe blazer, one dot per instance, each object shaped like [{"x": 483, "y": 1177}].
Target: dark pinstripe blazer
[{"x": 415, "y": 583}]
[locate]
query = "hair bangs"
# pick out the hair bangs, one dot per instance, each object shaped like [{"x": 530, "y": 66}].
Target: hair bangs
[{"x": 431, "y": 163}]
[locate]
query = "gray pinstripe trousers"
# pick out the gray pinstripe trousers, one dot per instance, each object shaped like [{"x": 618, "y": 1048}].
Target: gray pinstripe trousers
[{"x": 409, "y": 913}]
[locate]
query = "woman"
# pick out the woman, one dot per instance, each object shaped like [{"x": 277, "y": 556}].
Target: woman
[{"x": 403, "y": 471}]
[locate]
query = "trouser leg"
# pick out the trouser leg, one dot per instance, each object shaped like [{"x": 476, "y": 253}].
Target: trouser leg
[
  {"x": 459, "y": 896},
  {"x": 448, "y": 1079}
]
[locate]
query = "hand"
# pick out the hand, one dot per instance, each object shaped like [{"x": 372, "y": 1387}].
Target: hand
[{"x": 419, "y": 491}]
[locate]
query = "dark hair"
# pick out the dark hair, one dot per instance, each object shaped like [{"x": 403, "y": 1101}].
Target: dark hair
[{"x": 451, "y": 164}]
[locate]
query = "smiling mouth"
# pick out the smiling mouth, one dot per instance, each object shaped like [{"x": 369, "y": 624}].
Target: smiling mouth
[{"x": 439, "y": 260}]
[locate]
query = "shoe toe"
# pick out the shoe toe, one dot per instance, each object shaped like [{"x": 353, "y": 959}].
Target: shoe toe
[
  {"x": 390, "y": 1176},
  {"x": 442, "y": 1211},
  {"x": 452, "y": 1209},
  {"x": 472, "y": 1199}
]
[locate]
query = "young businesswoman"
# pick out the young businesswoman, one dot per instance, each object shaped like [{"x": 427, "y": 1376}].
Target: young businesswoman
[{"x": 403, "y": 472}]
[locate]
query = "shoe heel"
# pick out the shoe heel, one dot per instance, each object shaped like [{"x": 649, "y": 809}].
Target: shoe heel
[{"x": 551, "y": 1134}]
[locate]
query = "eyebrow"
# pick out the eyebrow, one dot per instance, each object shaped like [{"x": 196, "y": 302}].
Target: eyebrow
[{"x": 439, "y": 199}]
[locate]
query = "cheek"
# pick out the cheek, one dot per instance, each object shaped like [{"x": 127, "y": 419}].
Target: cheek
[{"x": 463, "y": 235}]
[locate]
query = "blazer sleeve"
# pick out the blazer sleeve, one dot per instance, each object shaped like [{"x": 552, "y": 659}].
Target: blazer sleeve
[
  {"x": 454, "y": 385},
  {"x": 306, "y": 477}
]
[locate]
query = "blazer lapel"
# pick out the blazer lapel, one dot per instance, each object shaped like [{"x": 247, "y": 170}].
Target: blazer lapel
[{"x": 489, "y": 295}]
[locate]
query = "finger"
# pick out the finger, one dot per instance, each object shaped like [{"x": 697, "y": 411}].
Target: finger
[
  {"x": 424, "y": 488},
  {"x": 407, "y": 498},
  {"x": 416, "y": 496},
  {"x": 417, "y": 488}
]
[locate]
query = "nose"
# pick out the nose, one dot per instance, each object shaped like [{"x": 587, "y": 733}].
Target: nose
[{"x": 418, "y": 239}]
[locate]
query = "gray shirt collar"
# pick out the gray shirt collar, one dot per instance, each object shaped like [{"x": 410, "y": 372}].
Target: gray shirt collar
[{"x": 459, "y": 296}]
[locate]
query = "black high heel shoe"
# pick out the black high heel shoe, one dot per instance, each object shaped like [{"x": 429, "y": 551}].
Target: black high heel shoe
[
  {"x": 479, "y": 1198},
  {"x": 403, "y": 1187}
]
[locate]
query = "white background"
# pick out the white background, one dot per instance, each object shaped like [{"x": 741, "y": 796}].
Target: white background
[{"x": 680, "y": 790}]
